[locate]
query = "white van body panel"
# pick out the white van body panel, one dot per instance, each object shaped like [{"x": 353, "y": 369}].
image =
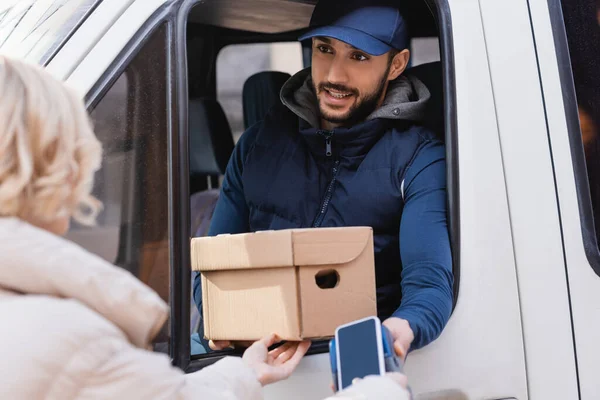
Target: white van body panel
[
  {"x": 532, "y": 200},
  {"x": 87, "y": 72},
  {"x": 510, "y": 335},
  {"x": 85, "y": 37},
  {"x": 584, "y": 283}
]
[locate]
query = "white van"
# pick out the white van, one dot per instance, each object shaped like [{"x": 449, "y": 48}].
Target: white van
[{"x": 526, "y": 323}]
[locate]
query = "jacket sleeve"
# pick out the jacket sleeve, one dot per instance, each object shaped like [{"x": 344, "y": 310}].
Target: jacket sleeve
[
  {"x": 425, "y": 247},
  {"x": 128, "y": 372},
  {"x": 231, "y": 213},
  {"x": 373, "y": 388}
]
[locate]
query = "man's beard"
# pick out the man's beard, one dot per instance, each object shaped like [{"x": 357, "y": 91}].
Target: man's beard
[{"x": 360, "y": 110}]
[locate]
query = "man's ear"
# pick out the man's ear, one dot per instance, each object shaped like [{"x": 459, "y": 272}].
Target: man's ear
[{"x": 398, "y": 64}]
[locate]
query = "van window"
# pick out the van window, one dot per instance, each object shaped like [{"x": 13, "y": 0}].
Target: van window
[
  {"x": 131, "y": 122},
  {"x": 224, "y": 52},
  {"x": 236, "y": 63},
  {"x": 582, "y": 27}
]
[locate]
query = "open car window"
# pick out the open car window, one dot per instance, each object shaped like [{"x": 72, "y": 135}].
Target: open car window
[{"x": 236, "y": 67}]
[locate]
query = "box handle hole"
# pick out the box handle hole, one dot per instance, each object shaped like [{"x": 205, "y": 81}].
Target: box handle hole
[{"x": 327, "y": 279}]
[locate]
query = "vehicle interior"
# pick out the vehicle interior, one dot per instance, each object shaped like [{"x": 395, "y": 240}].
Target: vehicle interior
[{"x": 240, "y": 53}]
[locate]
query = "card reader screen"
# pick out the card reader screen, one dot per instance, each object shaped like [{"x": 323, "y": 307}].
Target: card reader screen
[{"x": 357, "y": 347}]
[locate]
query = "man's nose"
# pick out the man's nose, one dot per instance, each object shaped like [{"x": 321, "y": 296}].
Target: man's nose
[{"x": 337, "y": 71}]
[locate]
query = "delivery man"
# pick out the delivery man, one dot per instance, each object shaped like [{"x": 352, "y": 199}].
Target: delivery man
[{"x": 346, "y": 147}]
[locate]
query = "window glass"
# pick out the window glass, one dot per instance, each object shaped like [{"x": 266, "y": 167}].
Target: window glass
[
  {"x": 582, "y": 25},
  {"x": 424, "y": 50},
  {"x": 110, "y": 125},
  {"x": 236, "y": 63},
  {"x": 131, "y": 121}
]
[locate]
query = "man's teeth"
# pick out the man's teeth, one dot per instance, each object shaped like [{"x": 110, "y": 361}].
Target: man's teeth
[{"x": 338, "y": 95}]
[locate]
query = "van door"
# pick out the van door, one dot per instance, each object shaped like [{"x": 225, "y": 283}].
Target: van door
[
  {"x": 568, "y": 50},
  {"x": 531, "y": 191}
]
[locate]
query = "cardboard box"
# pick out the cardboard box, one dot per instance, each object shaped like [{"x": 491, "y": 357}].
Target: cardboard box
[{"x": 267, "y": 282}]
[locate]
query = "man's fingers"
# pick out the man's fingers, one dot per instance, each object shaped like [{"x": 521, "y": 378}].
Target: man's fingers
[
  {"x": 224, "y": 344},
  {"x": 400, "y": 350},
  {"x": 219, "y": 344}
]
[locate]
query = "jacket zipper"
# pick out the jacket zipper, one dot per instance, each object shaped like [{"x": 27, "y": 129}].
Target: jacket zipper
[
  {"x": 327, "y": 135},
  {"x": 329, "y": 193}
]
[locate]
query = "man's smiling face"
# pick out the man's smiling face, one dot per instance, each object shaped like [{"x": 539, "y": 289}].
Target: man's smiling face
[{"x": 349, "y": 83}]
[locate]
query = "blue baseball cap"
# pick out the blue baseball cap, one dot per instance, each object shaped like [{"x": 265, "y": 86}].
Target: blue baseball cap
[{"x": 372, "y": 26}]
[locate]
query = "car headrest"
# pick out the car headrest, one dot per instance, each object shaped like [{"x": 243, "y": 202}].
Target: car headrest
[
  {"x": 211, "y": 140},
  {"x": 431, "y": 75},
  {"x": 260, "y": 93}
]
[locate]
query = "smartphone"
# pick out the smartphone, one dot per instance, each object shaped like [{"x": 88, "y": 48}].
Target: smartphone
[{"x": 358, "y": 351}]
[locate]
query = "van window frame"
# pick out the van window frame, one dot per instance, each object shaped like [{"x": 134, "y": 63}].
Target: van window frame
[
  {"x": 570, "y": 101},
  {"x": 441, "y": 12},
  {"x": 178, "y": 187}
]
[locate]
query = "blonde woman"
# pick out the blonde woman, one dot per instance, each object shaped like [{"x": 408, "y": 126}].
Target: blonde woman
[{"x": 74, "y": 326}]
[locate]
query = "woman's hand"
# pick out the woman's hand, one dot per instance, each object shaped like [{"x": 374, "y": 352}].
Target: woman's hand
[{"x": 275, "y": 365}]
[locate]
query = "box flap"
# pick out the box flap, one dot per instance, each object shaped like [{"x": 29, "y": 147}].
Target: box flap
[
  {"x": 267, "y": 249},
  {"x": 329, "y": 246}
]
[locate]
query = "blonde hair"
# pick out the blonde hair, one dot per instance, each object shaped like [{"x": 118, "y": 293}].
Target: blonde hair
[{"x": 48, "y": 150}]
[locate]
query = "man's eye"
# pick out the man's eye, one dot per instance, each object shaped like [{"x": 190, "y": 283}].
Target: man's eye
[
  {"x": 360, "y": 57},
  {"x": 324, "y": 49}
]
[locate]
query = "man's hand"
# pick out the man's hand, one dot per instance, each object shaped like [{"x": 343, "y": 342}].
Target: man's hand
[
  {"x": 224, "y": 344},
  {"x": 402, "y": 334}
]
